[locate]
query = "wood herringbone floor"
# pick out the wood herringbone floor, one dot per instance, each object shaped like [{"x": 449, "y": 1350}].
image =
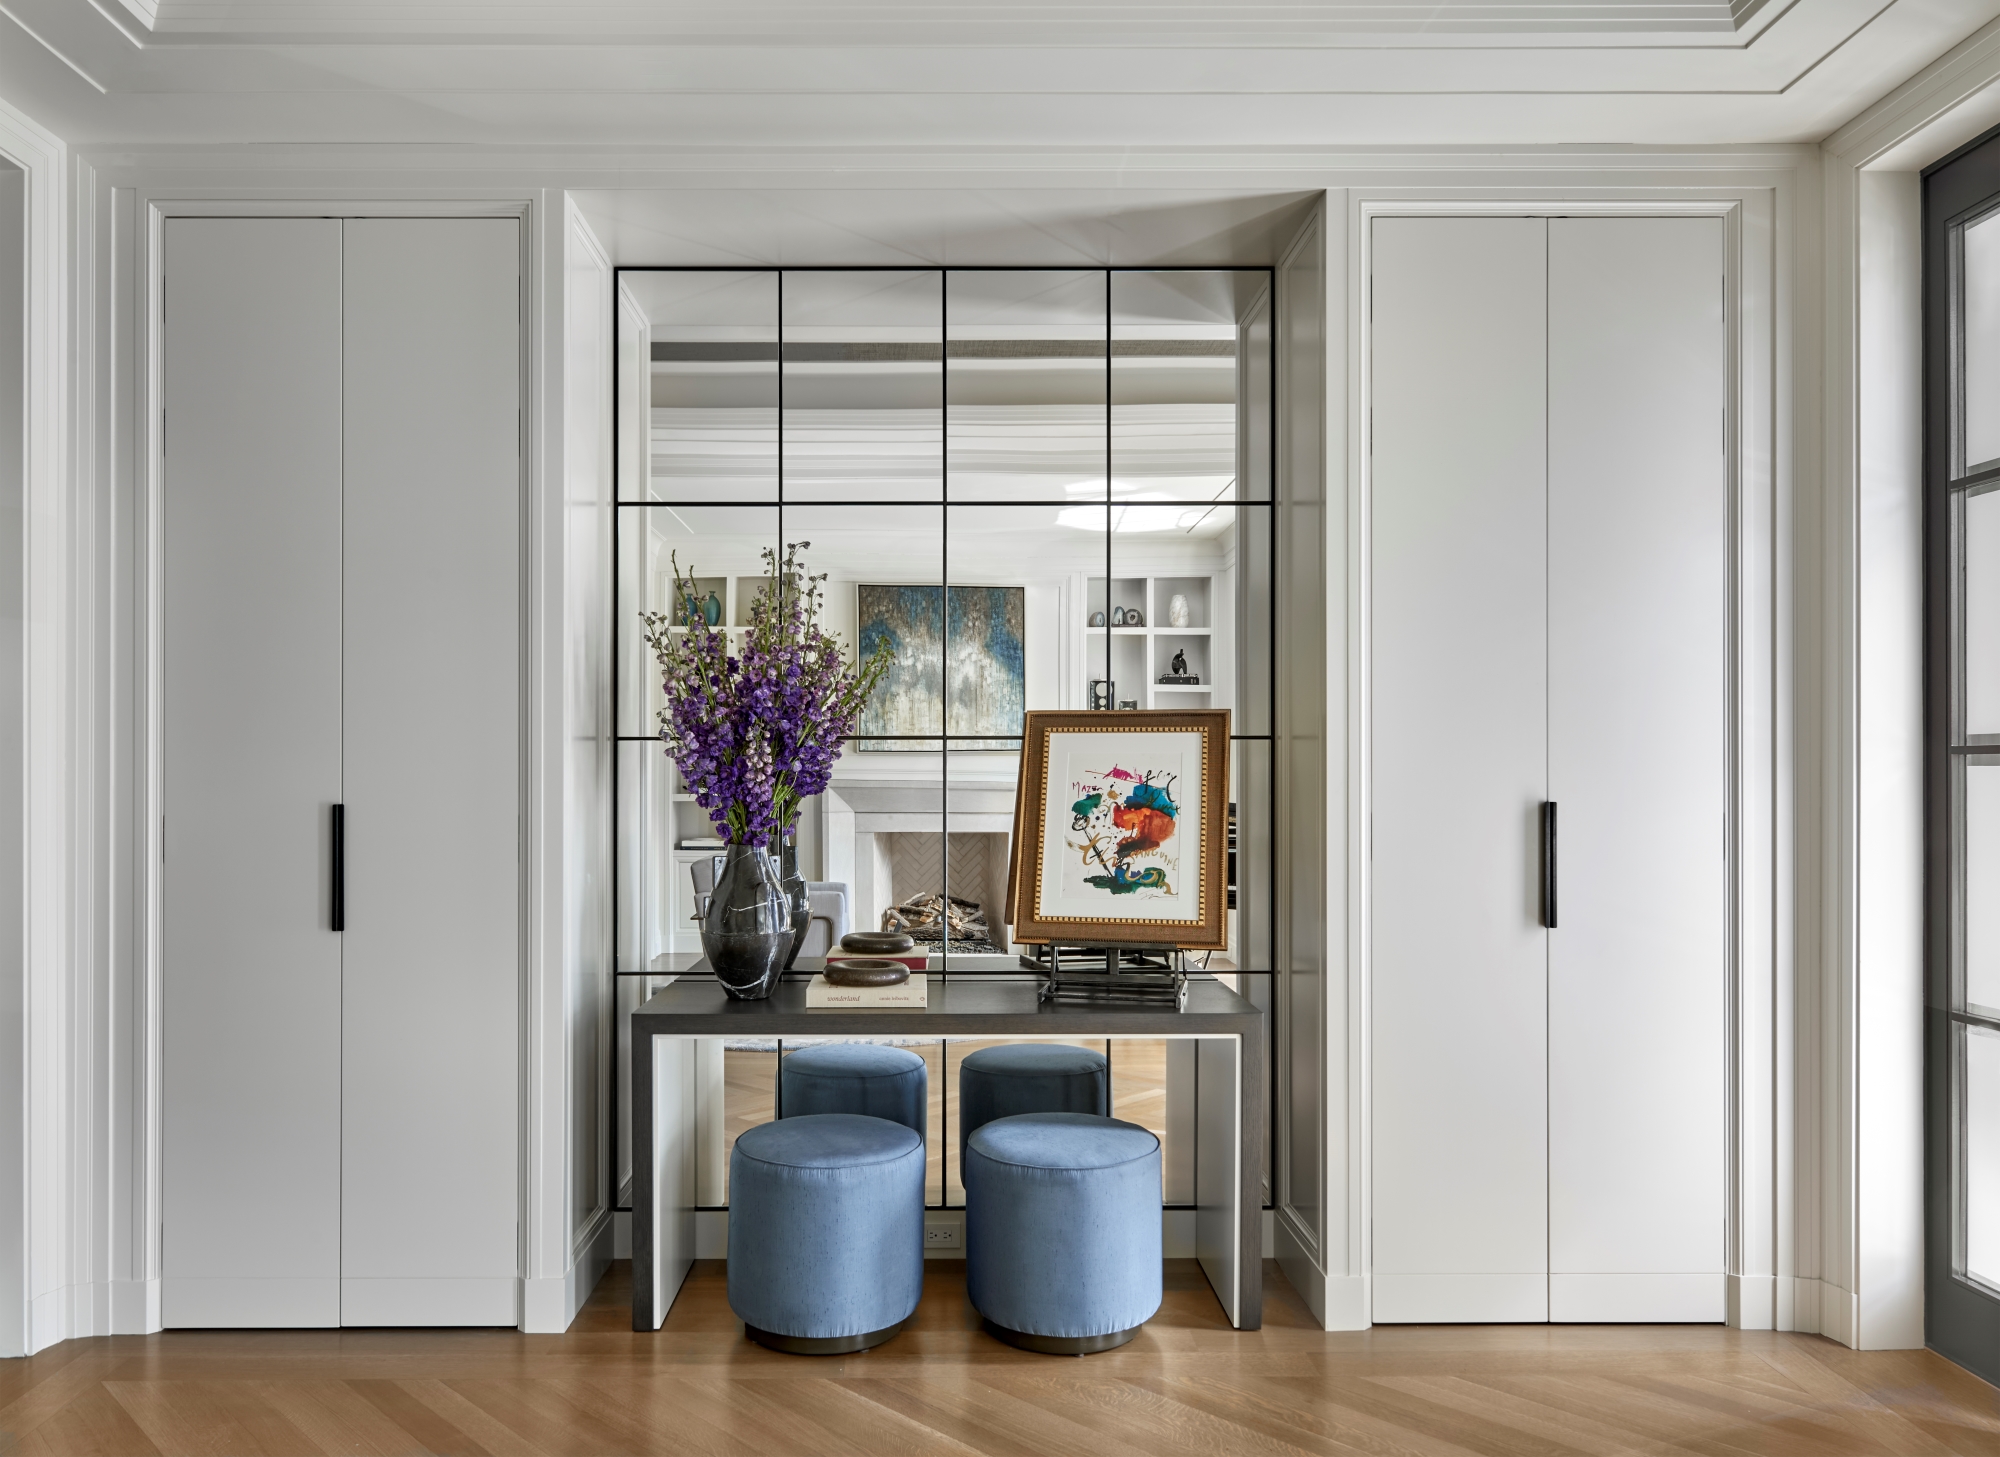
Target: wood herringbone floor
[{"x": 1188, "y": 1385}]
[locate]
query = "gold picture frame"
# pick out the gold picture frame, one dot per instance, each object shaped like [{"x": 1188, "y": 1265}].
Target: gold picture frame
[{"x": 1121, "y": 833}]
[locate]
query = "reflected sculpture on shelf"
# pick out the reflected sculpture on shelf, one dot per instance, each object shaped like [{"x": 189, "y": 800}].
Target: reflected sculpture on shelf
[{"x": 960, "y": 666}]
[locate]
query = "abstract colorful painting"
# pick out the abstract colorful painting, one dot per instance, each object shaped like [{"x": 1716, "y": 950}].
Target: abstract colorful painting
[
  {"x": 960, "y": 667},
  {"x": 1122, "y": 832}
]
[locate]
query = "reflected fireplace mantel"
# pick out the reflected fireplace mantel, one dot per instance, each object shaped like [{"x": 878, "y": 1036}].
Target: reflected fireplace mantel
[{"x": 859, "y": 815}]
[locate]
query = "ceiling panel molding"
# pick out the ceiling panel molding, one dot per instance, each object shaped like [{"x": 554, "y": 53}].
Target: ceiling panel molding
[
  {"x": 971, "y": 78},
  {"x": 261, "y": 21}
]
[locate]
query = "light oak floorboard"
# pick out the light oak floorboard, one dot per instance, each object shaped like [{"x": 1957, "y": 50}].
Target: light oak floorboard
[{"x": 1187, "y": 1387}]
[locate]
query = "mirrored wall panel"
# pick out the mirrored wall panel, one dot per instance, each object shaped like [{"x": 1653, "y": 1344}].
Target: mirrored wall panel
[
  {"x": 1027, "y": 489},
  {"x": 706, "y": 347}
]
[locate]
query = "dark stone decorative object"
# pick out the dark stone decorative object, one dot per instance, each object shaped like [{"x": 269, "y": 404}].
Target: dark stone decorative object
[
  {"x": 878, "y": 943},
  {"x": 1134, "y": 617},
  {"x": 1097, "y": 619},
  {"x": 868, "y": 974},
  {"x": 1118, "y": 617},
  {"x": 787, "y": 856},
  {"x": 1179, "y": 665},
  {"x": 747, "y": 931}
]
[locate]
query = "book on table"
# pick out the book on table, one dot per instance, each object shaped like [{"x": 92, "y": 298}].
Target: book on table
[{"x": 912, "y": 995}]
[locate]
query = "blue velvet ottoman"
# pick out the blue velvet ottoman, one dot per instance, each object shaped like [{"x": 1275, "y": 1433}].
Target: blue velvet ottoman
[
  {"x": 856, "y": 1077},
  {"x": 826, "y": 1232},
  {"x": 1062, "y": 1230},
  {"x": 1029, "y": 1077}
]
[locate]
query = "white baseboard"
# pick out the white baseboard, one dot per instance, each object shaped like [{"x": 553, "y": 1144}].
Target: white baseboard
[
  {"x": 492, "y": 1300},
  {"x": 1839, "y": 1314},
  {"x": 550, "y": 1303},
  {"x": 56, "y": 1315},
  {"x": 1815, "y": 1307},
  {"x": 1299, "y": 1267},
  {"x": 1649, "y": 1298},
  {"x": 135, "y": 1307},
  {"x": 1751, "y": 1302},
  {"x": 1349, "y": 1303},
  {"x": 244, "y": 1302},
  {"x": 1338, "y": 1302}
]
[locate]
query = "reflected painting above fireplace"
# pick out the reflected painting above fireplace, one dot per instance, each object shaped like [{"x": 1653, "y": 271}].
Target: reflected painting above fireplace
[{"x": 964, "y": 676}]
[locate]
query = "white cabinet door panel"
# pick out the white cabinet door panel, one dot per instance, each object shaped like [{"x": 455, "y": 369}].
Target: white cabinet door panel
[
  {"x": 430, "y": 1193},
  {"x": 1637, "y": 723},
  {"x": 251, "y": 971},
  {"x": 1459, "y": 684}
]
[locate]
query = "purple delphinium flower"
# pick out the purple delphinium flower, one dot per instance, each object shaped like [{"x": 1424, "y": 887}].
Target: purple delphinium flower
[{"x": 756, "y": 736}]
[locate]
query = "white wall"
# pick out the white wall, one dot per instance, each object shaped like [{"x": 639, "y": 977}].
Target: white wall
[
  {"x": 99, "y": 1229},
  {"x": 44, "y": 705},
  {"x": 568, "y": 1197}
]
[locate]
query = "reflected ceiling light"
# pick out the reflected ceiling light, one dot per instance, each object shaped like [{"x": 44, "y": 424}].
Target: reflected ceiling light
[{"x": 1133, "y": 518}]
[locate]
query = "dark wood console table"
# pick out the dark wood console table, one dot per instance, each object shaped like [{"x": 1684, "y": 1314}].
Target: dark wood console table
[{"x": 1230, "y": 1096}]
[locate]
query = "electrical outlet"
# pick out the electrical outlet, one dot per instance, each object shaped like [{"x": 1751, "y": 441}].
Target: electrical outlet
[{"x": 943, "y": 1235}]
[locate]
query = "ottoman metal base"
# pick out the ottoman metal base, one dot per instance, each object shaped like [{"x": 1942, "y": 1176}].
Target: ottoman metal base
[
  {"x": 1060, "y": 1345},
  {"x": 824, "y": 1345}
]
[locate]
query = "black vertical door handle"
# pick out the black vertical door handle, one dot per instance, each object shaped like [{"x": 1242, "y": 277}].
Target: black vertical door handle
[
  {"x": 1549, "y": 863},
  {"x": 338, "y": 901}
]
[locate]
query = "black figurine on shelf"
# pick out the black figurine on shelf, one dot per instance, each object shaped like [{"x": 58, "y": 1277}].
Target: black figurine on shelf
[{"x": 1179, "y": 665}]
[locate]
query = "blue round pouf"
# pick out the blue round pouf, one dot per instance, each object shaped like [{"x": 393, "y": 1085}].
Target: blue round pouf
[
  {"x": 1029, "y": 1077},
  {"x": 1062, "y": 1230},
  {"x": 856, "y": 1077},
  {"x": 826, "y": 1231}
]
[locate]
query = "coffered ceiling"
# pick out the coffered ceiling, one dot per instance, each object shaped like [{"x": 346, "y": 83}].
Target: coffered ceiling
[{"x": 962, "y": 74}]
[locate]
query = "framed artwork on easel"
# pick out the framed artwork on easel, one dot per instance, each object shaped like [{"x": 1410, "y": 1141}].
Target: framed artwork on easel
[{"x": 1121, "y": 829}]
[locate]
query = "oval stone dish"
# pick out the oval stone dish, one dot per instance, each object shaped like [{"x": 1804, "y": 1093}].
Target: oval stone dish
[
  {"x": 866, "y": 972},
  {"x": 878, "y": 943}
]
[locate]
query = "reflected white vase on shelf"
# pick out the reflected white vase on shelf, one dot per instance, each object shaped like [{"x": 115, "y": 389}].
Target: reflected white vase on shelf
[{"x": 1177, "y": 611}]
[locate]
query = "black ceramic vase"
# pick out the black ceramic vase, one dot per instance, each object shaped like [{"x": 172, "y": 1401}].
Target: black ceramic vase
[
  {"x": 795, "y": 889},
  {"x": 747, "y": 931}
]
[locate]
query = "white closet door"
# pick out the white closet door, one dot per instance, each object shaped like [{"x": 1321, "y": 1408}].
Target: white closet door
[
  {"x": 430, "y": 1188},
  {"x": 1637, "y": 724},
  {"x": 251, "y": 623},
  {"x": 1459, "y": 685}
]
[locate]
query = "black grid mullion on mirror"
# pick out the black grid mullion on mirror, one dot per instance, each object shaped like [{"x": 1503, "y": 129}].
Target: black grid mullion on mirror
[{"x": 788, "y": 359}]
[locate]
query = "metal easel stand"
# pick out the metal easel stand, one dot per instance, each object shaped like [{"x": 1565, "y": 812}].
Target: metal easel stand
[{"x": 1106, "y": 972}]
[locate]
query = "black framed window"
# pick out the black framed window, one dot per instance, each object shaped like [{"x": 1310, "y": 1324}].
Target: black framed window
[
  {"x": 1962, "y": 732},
  {"x": 1077, "y": 460}
]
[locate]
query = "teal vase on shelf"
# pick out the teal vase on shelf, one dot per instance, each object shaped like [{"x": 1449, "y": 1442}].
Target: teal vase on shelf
[{"x": 711, "y": 610}]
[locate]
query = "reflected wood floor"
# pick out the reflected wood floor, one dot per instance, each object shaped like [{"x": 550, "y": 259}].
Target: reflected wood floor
[{"x": 1188, "y": 1385}]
